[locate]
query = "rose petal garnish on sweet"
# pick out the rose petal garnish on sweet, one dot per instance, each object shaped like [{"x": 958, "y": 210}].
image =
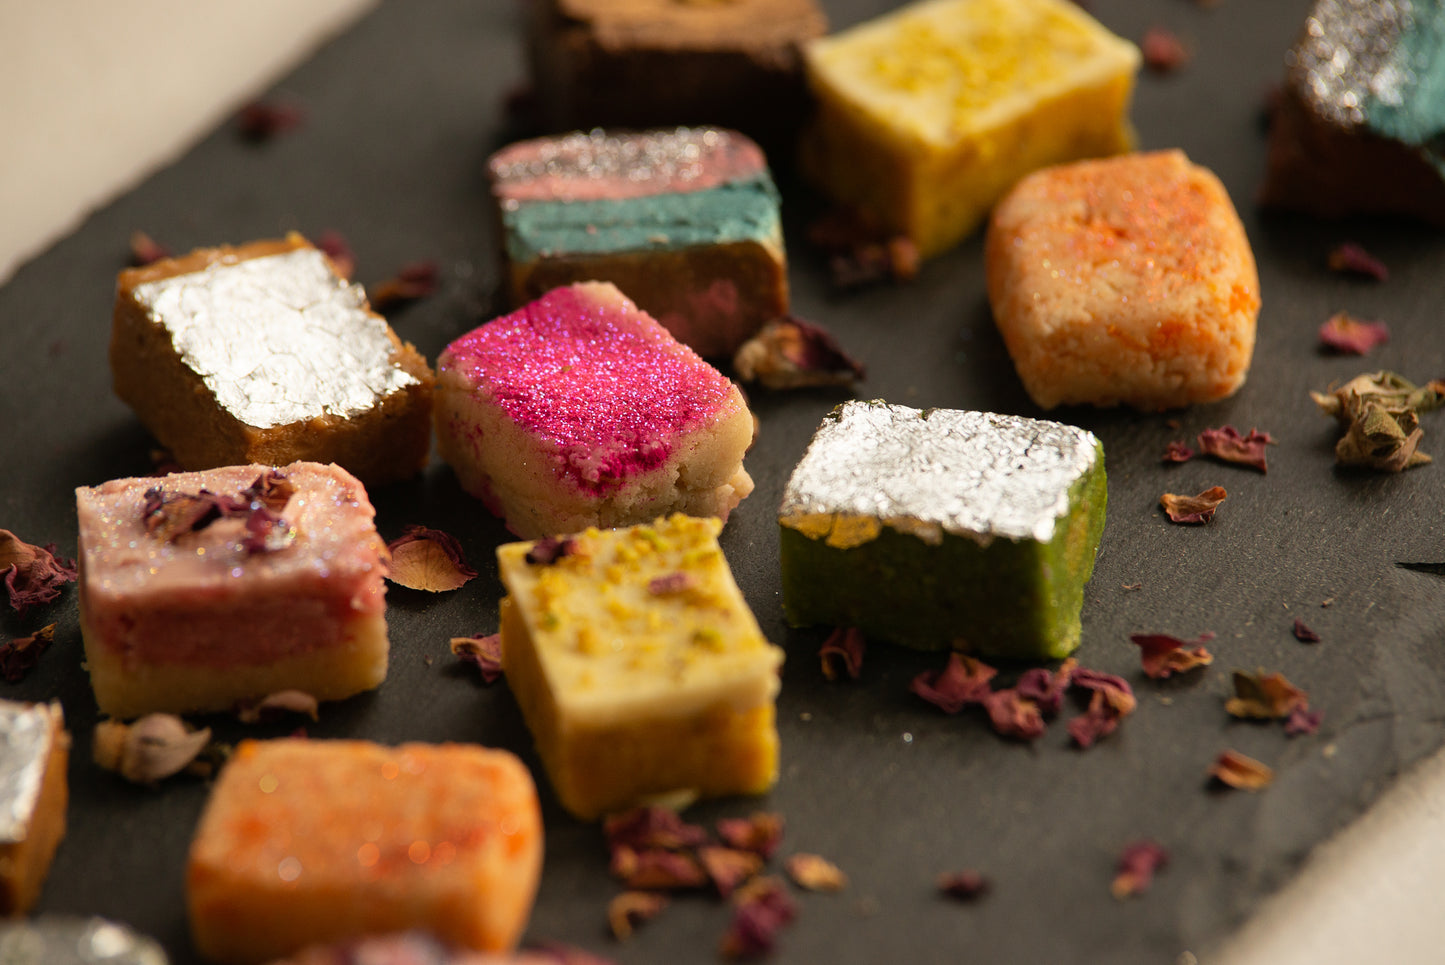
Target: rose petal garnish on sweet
[
  {"x": 1240, "y": 771},
  {"x": 561, "y": 954},
  {"x": 657, "y": 869},
  {"x": 273, "y": 706},
  {"x": 1227, "y": 444},
  {"x": 1264, "y": 696},
  {"x": 815, "y": 873},
  {"x": 428, "y": 559},
  {"x": 1303, "y": 633},
  {"x": 1013, "y": 715},
  {"x": 414, "y": 281},
  {"x": 1045, "y": 687},
  {"x": 483, "y": 652},
  {"x": 150, "y": 749},
  {"x": 761, "y": 832},
  {"x": 631, "y": 908},
  {"x": 652, "y": 827},
  {"x": 671, "y": 584},
  {"x": 338, "y": 249},
  {"x": 260, "y": 121},
  {"x": 32, "y": 574},
  {"x": 1302, "y": 720},
  {"x": 1193, "y": 509},
  {"x": 760, "y": 909},
  {"x": 1163, "y": 50},
  {"x": 965, "y": 885},
  {"x": 270, "y": 489},
  {"x": 145, "y": 250},
  {"x": 545, "y": 552},
  {"x": 1163, "y": 655},
  {"x": 1137, "y": 865},
  {"x": 1352, "y": 259},
  {"x": 1348, "y": 335},
  {"x": 791, "y": 353},
  {"x": 21, "y": 655},
  {"x": 1178, "y": 452},
  {"x": 964, "y": 681},
  {"x": 728, "y": 868},
  {"x": 842, "y": 653}
]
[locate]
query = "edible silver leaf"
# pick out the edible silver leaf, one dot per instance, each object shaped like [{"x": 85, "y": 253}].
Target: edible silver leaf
[
  {"x": 25, "y": 738},
  {"x": 68, "y": 940}
]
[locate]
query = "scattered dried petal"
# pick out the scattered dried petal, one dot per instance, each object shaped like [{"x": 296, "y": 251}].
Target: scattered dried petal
[
  {"x": 842, "y": 653},
  {"x": 1348, "y": 335},
  {"x": 414, "y": 281},
  {"x": 815, "y": 873},
  {"x": 1240, "y": 771},
  {"x": 729, "y": 868},
  {"x": 1136, "y": 868},
  {"x": 547, "y": 551},
  {"x": 1303, "y": 633},
  {"x": 485, "y": 652},
  {"x": 656, "y": 869},
  {"x": 1046, "y": 688},
  {"x": 964, "y": 681},
  {"x": 790, "y": 353},
  {"x": 338, "y": 249},
  {"x": 966, "y": 885},
  {"x": 631, "y": 908},
  {"x": 671, "y": 584},
  {"x": 1116, "y": 690},
  {"x": 652, "y": 827},
  {"x": 1227, "y": 444},
  {"x": 761, "y": 909},
  {"x": 1264, "y": 697},
  {"x": 33, "y": 575},
  {"x": 1352, "y": 259},
  {"x": 272, "y": 706},
  {"x": 1302, "y": 720},
  {"x": 428, "y": 559},
  {"x": 149, "y": 750},
  {"x": 1163, "y": 50},
  {"x": 861, "y": 254},
  {"x": 145, "y": 250},
  {"x": 760, "y": 831},
  {"x": 1096, "y": 723},
  {"x": 1178, "y": 452},
  {"x": 1193, "y": 509},
  {"x": 22, "y": 654},
  {"x": 260, "y": 121},
  {"x": 1013, "y": 715},
  {"x": 1163, "y": 655}
]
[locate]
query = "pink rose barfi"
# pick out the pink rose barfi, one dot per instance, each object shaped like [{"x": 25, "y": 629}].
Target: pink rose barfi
[
  {"x": 580, "y": 410},
  {"x": 202, "y": 589}
]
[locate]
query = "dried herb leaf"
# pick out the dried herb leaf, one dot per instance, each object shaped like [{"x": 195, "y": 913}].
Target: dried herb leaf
[
  {"x": 761, "y": 908},
  {"x": 1163, "y": 655},
  {"x": 842, "y": 653},
  {"x": 338, "y": 249},
  {"x": 273, "y": 706},
  {"x": 1137, "y": 865},
  {"x": 1013, "y": 715},
  {"x": 815, "y": 873},
  {"x": 1303, "y": 633},
  {"x": 1348, "y": 335},
  {"x": 1352, "y": 259},
  {"x": 966, "y": 885},
  {"x": 1264, "y": 696},
  {"x": 21, "y": 655},
  {"x": 760, "y": 832},
  {"x": 791, "y": 353},
  {"x": 1193, "y": 509},
  {"x": 1227, "y": 444},
  {"x": 656, "y": 869},
  {"x": 261, "y": 121},
  {"x": 1178, "y": 452},
  {"x": 964, "y": 681},
  {"x": 428, "y": 559},
  {"x": 1302, "y": 720},
  {"x": 1380, "y": 412},
  {"x": 1240, "y": 771},
  {"x": 484, "y": 652},
  {"x": 145, "y": 250},
  {"x": 1046, "y": 688},
  {"x": 652, "y": 827},
  {"x": 729, "y": 868},
  {"x": 414, "y": 281},
  {"x": 547, "y": 551},
  {"x": 149, "y": 750},
  {"x": 630, "y": 909},
  {"x": 1163, "y": 51},
  {"x": 33, "y": 575}
]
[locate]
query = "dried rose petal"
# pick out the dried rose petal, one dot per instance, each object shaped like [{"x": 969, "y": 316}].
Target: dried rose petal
[
  {"x": 1303, "y": 633},
  {"x": 966, "y": 885},
  {"x": 1013, "y": 715},
  {"x": 1302, "y": 720},
  {"x": 145, "y": 250},
  {"x": 1193, "y": 509},
  {"x": 760, "y": 831},
  {"x": 652, "y": 827},
  {"x": 656, "y": 869},
  {"x": 547, "y": 551},
  {"x": 428, "y": 559},
  {"x": 1227, "y": 444},
  {"x": 791, "y": 353},
  {"x": 1163, "y": 50},
  {"x": 272, "y": 706},
  {"x": 1136, "y": 868},
  {"x": 631, "y": 908},
  {"x": 1046, "y": 688},
  {"x": 271, "y": 489},
  {"x": 262, "y": 120},
  {"x": 964, "y": 681},
  {"x": 1348, "y": 335},
  {"x": 338, "y": 249},
  {"x": 815, "y": 873},
  {"x": 21, "y": 655},
  {"x": 861, "y": 254},
  {"x": 842, "y": 653},
  {"x": 416, "y": 280},
  {"x": 1264, "y": 696},
  {"x": 32, "y": 574},
  {"x": 1116, "y": 690},
  {"x": 760, "y": 909},
  {"x": 671, "y": 584},
  {"x": 265, "y": 531},
  {"x": 729, "y": 868},
  {"x": 1240, "y": 771},
  {"x": 1093, "y": 725},
  {"x": 1352, "y": 259},
  {"x": 560, "y": 954},
  {"x": 1178, "y": 452},
  {"x": 1163, "y": 655},
  {"x": 485, "y": 652},
  {"x": 149, "y": 750}
]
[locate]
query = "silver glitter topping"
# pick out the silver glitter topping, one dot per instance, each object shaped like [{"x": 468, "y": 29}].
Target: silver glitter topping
[
  {"x": 25, "y": 734},
  {"x": 1350, "y": 54},
  {"x": 65, "y": 940},
  {"x": 278, "y": 339},
  {"x": 972, "y": 474}
]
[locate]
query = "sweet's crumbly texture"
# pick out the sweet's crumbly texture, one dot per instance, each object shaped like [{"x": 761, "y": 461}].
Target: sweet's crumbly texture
[
  {"x": 1128, "y": 280},
  {"x": 389, "y": 440},
  {"x": 24, "y": 863},
  {"x": 929, "y": 114},
  {"x": 639, "y": 668},
  {"x": 306, "y": 841},
  {"x": 199, "y": 622},
  {"x": 579, "y": 410}
]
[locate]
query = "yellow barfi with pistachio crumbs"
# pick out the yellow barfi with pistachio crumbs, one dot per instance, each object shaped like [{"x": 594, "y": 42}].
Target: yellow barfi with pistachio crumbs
[
  {"x": 638, "y": 666},
  {"x": 929, "y": 114}
]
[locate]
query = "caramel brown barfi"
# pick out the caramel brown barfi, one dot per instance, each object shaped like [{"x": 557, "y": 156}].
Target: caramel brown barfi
[{"x": 34, "y": 749}]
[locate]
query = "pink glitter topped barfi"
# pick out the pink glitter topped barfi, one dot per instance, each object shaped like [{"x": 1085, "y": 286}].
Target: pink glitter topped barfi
[{"x": 580, "y": 410}]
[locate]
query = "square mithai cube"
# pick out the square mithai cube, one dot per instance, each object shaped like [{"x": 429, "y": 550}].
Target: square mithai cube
[
  {"x": 941, "y": 528},
  {"x": 1123, "y": 280},
  {"x": 685, "y": 221},
  {"x": 638, "y": 666},
  {"x": 263, "y": 353},
  {"x": 579, "y": 410},
  {"x": 311, "y": 841},
  {"x": 929, "y": 114},
  {"x": 199, "y": 590},
  {"x": 34, "y": 749}
]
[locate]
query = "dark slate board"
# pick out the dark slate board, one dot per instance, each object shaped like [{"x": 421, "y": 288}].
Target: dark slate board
[{"x": 403, "y": 111}]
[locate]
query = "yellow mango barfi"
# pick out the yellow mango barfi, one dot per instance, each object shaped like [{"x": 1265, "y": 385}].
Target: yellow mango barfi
[
  {"x": 929, "y": 114},
  {"x": 638, "y": 666},
  {"x": 306, "y": 841}
]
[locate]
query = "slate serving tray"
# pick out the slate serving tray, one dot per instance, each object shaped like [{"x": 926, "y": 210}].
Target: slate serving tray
[{"x": 401, "y": 114}]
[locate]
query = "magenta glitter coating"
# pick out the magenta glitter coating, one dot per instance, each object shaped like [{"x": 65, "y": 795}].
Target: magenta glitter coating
[{"x": 603, "y": 382}]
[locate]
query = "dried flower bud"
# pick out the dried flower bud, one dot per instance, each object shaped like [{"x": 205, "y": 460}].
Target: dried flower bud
[
  {"x": 791, "y": 353},
  {"x": 149, "y": 750}
]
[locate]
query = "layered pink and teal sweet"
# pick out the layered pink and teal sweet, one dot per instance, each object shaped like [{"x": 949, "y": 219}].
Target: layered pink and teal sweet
[
  {"x": 601, "y": 193},
  {"x": 596, "y": 380}
]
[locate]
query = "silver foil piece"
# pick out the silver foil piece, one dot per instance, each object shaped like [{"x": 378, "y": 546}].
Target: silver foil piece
[
  {"x": 1350, "y": 55},
  {"x": 278, "y": 339},
  {"x": 667, "y": 156},
  {"x": 26, "y": 740},
  {"x": 935, "y": 471},
  {"x": 67, "y": 940}
]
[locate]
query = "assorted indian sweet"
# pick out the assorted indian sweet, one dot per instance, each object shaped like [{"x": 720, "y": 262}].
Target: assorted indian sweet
[
  {"x": 638, "y": 666},
  {"x": 264, "y": 353},
  {"x": 1358, "y": 125},
  {"x": 73, "y": 940},
  {"x": 408, "y": 948},
  {"x": 685, "y": 221},
  {"x": 1124, "y": 280},
  {"x": 34, "y": 749},
  {"x": 305, "y": 842},
  {"x": 927, "y": 115},
  {"x": 580, "y": 410},
  {"x": 942, "y": 528},
  {"x": 200, "y": 590},
  {"x": 644, "y": 63}
]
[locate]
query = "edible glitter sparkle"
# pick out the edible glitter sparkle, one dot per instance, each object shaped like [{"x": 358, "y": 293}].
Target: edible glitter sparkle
[{"x": 1350, "y": 55}]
